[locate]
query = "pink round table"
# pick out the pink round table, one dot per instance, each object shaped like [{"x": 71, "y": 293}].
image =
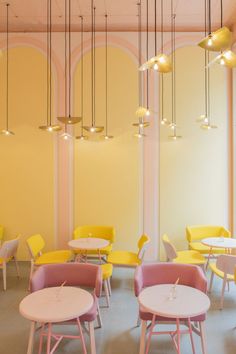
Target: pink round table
[
  {"x": 218, "y": 242},
  {"x": 86, "y": 244}
]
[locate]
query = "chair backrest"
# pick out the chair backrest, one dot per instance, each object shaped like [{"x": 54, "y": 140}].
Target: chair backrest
[
  {"x": 9, "y": 248},
  {"x": 195, "y": 233},
  {"x": 143, "y": 244},
  {"x": 1, "y": 233},
  {"x": 35, "y": 245},
  {"x": 226, "y": 263},
  {"x": 74, "y": 274},
  {"x": 169, "y": 248},
  {"x": 105, "y": 232},
  {"x": 167, "y": 273}
]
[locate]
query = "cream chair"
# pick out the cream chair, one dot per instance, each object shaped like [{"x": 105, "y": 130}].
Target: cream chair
[
  {"x": 195, "y": 234},
  {"x": 224, "y": 267},
  {"x": 127, "y": 258},
  {"x": 7, "y": 253},
  {"x": 184, "y": 257}
]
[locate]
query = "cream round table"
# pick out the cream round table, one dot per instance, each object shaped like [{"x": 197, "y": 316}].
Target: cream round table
[
  {"x": 54, "y": 305},
  {"x": 172, "y": 301},
  {"x": 218, "y": 242},
  {"x": 86, "y": 244}
]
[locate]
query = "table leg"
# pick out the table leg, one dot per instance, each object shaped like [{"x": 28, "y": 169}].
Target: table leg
[
  {"x": 41, "y": 339},
  {"x": 143, "y": 336},
  {"x": 191, "y": 335},
  {"x": 178, "y": 336},
  {"x": 81, "y": 336},
  {"x": 208, "y": 258},
  {"x": 31, "y": 338},
  {"x": 49, "y": 337},
  {"x": 150, "y": 334}
]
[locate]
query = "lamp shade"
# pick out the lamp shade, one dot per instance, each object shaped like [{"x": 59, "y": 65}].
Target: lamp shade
[
  {"x": 217, "y": 41},
  {"x": 69, "y": 120},
  {"x": 226, "y": 58},
  {"x": 160, "y": 63}
]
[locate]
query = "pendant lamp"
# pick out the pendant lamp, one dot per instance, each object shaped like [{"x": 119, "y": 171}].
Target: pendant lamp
[
  {"x": 219, "y": 40},
  {"x": 106, "y": 136},
  {"x": 82, "y": 136},
  {"x": 68, "y": 119},
  {"x": 6, "y": 131},
  {"x": 141, "y": 112},
  {"x": 160, "y": 62},
  {"x": 49, "y": 126},
  {"x": 93, "y": 128},
  {"x": 173, "y": 124}
]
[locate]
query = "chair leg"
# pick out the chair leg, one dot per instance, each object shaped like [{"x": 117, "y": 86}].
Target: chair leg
[
  {"x": 99, "y": 318},
  {"x": 143, "y": 337},
  {"x": 17, "y": 267},
  {"x": 222, "y": 293},
  {"x": 31, "y": 338},
  {"x": 4, "y": 275},
  {"x": 191, "y": 335},
  {"x": 109, "y": 285},
  {"x": 106, "y": 292},
  {"x": 202, "y": 334},
  {"x": 92, "y": 338},
  {"x": 31, "y": 272},
  {"x": 81, "y": 336},
  {"x": 138, "y": 321},
  {"x": 211, "y": 282}
]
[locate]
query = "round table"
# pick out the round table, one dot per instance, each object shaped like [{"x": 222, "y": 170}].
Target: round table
[
  {"x": 172, "y": 301},
  {"x": 86, "y": 244},
  {"x": 54, "y": 305},
  {"x": 218, "y": 242}
]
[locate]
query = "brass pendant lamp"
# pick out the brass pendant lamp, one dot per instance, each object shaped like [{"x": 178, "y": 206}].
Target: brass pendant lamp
[
  {"x": 160, "y": 62},
  {"x": 141, "y": 112},
  {"x": 173, "y": 124},
  {"x": 49, "y": 126},
  {"x": 93, "y": 128},
  {"x": 82, "y": 136},
  {"x": 219, "y": 40},
  {"x": 6, "y": 131},
  {"x": 68, "y": 119},
  {"x": 106, "y": 136}
]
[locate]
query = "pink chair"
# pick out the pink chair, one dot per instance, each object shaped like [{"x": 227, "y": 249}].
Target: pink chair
[
  {"x": 167, "y": 273},
  {"x": 75, "y": 274}
]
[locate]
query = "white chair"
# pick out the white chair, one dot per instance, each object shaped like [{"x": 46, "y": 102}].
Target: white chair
[
  {"x": 224, "y": 267},
  {"x": 7, "y": 253}
]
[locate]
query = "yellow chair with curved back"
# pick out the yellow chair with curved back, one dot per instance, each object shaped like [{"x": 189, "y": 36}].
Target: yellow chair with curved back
[
  {"x": 185, "y": 257},
  {"x": 195, "y": 234},
  {"x": 127, "y": 258},
  {"x": 1, "y": 234},
  {"x": 104, "y": 232},
  {"x": 36, "y": 245}
]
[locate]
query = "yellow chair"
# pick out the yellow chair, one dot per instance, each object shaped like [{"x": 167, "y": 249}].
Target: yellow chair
[
  {"x": 185, "y": 257},
  {"x": 195, "y": 234},
  {"x": 130, "y": 259},
  {"x": 106, "y": 276},
  {"x": 7, "y": 253},
  {"x": 1, "y": 234},
  {"x": 36, "y": 245},
  {"x": 104, "y": 232}
]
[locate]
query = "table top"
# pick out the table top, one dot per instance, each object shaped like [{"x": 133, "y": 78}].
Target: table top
[
  {"x": 219, "y": 242},
  {"x": 186, "y": 302},
  {"x": 56, "y": 304},
  {"x": 88, "y": 243}
]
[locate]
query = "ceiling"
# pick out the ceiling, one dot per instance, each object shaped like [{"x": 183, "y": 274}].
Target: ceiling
[{"x": 30, "y": 15}]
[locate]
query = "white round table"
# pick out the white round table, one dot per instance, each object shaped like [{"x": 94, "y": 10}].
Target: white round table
[
  {"x": 218, "y": 242},
  {"x": 54, "y": 305},
  {"x": 86, "y": 244},
  {"x": 172, "y": 301}
]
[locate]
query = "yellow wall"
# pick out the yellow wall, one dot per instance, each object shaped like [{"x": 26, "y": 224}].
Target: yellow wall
[
  {"x": 106, "y": 173},
  {"x": 27, "y": 159},
  {"x": 193, "y": 170}
]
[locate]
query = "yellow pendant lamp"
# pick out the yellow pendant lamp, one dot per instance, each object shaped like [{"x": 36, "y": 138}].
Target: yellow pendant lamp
[
  {"x": 49, "y": 127},
  {"x": 219, "y": 40},
  {"x": 93, "y": 128},
  {"x": 6, "y": 131}
]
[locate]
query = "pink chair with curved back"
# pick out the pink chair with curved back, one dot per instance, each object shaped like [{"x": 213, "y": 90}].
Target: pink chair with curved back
[
  {"x": 74, "y": 274},
  {"x": 166, "y": 273}
]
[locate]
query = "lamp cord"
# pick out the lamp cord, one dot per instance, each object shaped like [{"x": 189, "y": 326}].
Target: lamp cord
[
  {"x": 69, "y": 69},
  {"x": 65, "y": 29},
  {"x": 206, "y": 67},
  {"x": 162, "y": 76},
  {"x": 172, "y": 59},
  {"x": 94, "y": 66},
  {"x": 92, "y": 34},
  {"x": 106, "y": 64},
  {"x": 47, "y": 62},
  {"x": 50, "y": 61},
  {"x": 221, "y": 13},
  {"x": 147, "y": 27},
  {"x": 155, "y": 27},
  {"x": 7, "y": 71},
  {"x": 140, "y": 52},
  {"x": 209, "y": 15},
  {"x": 82, "y": 73}
]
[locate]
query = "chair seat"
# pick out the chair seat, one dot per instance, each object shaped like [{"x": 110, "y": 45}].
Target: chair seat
[
  {"x": 106, "y": 270},
  {"x": 147, "y": 316},
  {"x": 218, "y": 272},
  {"x": 61, "y": 256},
  {"x": 198, "y": 246},
  {"x": 189, "y": 257},
  {"x": 124, "y": 258},
  {"x": 103, "y": 251}
]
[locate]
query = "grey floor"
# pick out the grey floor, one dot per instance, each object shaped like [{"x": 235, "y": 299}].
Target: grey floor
[{"x": 119, "y": 335}]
